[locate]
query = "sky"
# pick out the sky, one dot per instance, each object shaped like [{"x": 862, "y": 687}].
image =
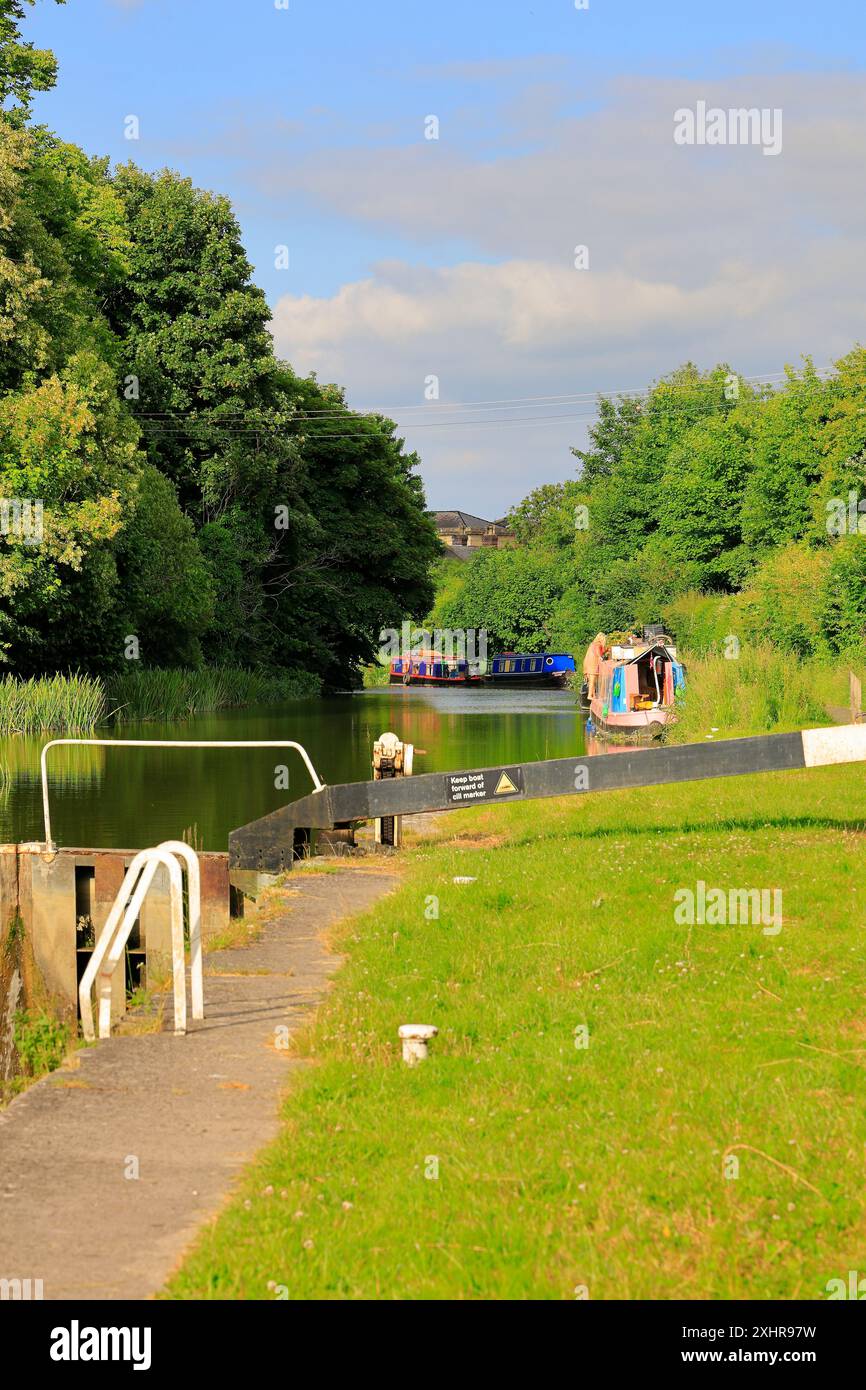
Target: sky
[{"x": 439, "y": 278}]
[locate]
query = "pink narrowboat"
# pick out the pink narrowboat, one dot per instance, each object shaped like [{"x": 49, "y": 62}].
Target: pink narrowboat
[{"x": 631, "y": 686}]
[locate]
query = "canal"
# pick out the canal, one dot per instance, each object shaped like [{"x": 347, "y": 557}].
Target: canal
[{"x": 130, "y": 798}]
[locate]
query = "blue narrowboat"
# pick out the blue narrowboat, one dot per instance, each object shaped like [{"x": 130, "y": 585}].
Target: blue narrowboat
[{"x": 538, "y": 668}]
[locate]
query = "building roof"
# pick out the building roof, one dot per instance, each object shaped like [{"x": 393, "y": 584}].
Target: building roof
[
  {"x": 459, "y": 521},
  {"x": 465, "y": 521}
]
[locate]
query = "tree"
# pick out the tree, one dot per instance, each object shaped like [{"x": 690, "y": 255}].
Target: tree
[
  {"x": 786, "y": 462},
  {"x": 193, "y": 490},
  {"x": 68, "y": 457},
  {"x": 700, "y": 498},
  {"x": 311, "y": 517},
  {"x": 196, "y": 345},
  {"x": 167, "y": 587},
  {"x": 549, "y": 516},
  {"x": 25, "y": 343},
  {"x": 364, "y": 562},
  {"x": 24, "y": 69},
  {"x": 611, "y": 435},
  {"x": 63, "y": 250},
  {"x": 509, "y": 593}
]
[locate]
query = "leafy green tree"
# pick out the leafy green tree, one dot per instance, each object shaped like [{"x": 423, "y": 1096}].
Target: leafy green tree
[
  {"x": 510, "y": 593},
  {"x": 788, "y": 601},
  {"x": 195, "y": 491},
  {"x": 841, "y": 441},
  {"x": 196, "y": 345},
  {"x": 626, "y": 501},
  {"x": 167, "y": 587},
  {"x": 549, "y": 516},
  {"x": 67, "y": 447},
  {"x": 778, "y": 501},
  {"x": 700, "y": 498},
  {"x": 368, "y": 545},
  {"x": 24, "y": 342},
  {"x": 63, "y": 250},
  {"x": 841, "y": 607},
  {"x": 24, "y": 69},
  {"x": 610, "y": 436}
]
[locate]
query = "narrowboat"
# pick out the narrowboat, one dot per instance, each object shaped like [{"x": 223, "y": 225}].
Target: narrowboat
[
  {"x": 535, "y": 669},
  {"x": 431, "y": 668},
  {"x": 631, "y": 685}
]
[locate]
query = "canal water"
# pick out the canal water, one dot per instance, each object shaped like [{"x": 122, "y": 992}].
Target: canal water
[{"x": 127, "y": 798}]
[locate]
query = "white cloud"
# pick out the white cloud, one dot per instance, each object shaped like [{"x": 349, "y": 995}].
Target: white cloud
[{"x": 704, "y": 253}]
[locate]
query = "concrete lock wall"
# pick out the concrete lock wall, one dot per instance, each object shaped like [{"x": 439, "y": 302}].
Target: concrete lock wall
[{"x": 47, "y": 893}]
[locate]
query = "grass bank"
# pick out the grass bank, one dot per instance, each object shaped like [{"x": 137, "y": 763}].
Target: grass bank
[
  {"x": 762, "y": 691},
  {"x": 707, "y": 1140},
  {"x": 377, "y": 674},
  {"x": 76, "y": 704}
]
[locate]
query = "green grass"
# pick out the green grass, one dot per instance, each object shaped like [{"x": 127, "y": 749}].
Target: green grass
[
  {"x": 763, "y": 691},
  {"x": 76, "y": 704},
  {"x": 377, "y": 674},
  {"x": 40, "y": 1041},
  {"x": 561, "y": 1168}
]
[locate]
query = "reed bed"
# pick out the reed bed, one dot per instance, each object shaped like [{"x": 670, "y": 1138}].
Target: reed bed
[
  {"x": 50, "y": 704},
  {"x": 76, "y": 704},
  {"x": 177, "y": 694}
]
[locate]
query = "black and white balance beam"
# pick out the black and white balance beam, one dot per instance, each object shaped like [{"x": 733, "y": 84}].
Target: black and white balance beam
[{"x": 268, "y": 844}]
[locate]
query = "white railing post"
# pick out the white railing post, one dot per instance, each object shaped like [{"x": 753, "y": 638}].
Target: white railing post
[
  {"x": 193, "y": 878},
  {"x": 102, "y": 944},
  {"x": 125, "y": 911},
  {"x": 160, "y": 743}
]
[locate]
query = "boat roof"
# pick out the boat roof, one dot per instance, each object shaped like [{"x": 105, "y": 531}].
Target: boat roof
[
  {"x": 426, "y": 655},
  {"x": 641, "y": 650}
]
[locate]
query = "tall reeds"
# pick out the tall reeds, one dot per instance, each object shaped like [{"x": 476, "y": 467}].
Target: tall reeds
[
  {"x": 76, "y": 704},
  {"x": 177, "y": 694},
  {"x": 51, "y": 704},
  {"x": 763, "y": 690}
]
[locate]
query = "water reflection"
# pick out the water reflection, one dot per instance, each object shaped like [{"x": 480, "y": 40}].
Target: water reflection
[{"x": 131, "y": 797}]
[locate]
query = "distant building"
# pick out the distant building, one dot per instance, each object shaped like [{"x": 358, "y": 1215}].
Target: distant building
[{"x": 465, "y": 534}]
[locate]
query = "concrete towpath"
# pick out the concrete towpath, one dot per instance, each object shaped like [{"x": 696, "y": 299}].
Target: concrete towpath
[{"x": 188, "y": 1111}]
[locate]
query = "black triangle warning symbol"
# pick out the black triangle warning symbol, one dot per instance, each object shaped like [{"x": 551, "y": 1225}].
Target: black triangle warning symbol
[{"x": 504, "y": 786}]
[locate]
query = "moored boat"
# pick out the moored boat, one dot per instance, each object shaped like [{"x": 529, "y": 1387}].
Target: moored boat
[
  {"x": 431, "y": 668},
  {"x": 631, "y": 685},
  {"x": 533, "y": 669}
]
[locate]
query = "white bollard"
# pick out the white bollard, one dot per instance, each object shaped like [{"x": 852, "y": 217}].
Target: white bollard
[{"x": 416, "y": 1041}]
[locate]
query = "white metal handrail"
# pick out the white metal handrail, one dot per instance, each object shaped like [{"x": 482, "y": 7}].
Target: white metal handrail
[
  {"x": 124, "y": 913},
  {"x": 160, "y": 743}
]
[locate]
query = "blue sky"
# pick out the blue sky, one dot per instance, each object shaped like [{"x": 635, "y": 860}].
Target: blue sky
[{"x": 453, "y": 258}]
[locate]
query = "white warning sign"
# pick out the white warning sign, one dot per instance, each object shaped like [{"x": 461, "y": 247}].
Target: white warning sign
[{"x": 494, "y": 784}]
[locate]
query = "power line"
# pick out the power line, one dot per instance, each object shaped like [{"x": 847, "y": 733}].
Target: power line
[
  {"x": 175, "y": 430},
  {"x": 577, "y": 399}
]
